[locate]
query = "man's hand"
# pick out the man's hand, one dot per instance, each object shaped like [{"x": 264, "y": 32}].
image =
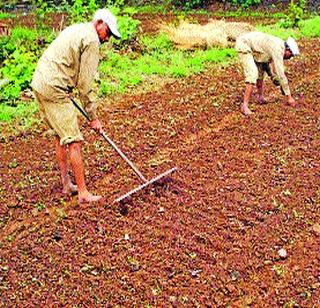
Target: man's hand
[
  {"x": 96, "y": 125},
  {"x": 291, "y": 101}
]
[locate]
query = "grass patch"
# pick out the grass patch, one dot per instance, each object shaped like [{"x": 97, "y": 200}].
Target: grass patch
[
  {"x": 307, "y": 28},
  {"x": 249, "y": 13},
  {"x": 4, "y": 15},
  {"x": 22, "y": 110},
  {"x": 121, "y": 72},
  {"x": 280, "y": 32},
  {"x": 310, "y": 27},
  {"x": 151, "y": 9}
]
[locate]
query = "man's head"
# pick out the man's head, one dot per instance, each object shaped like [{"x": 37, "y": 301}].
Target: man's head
[
  {"x": 291, "y": 48},
  {"x": 106, "y": 25}
]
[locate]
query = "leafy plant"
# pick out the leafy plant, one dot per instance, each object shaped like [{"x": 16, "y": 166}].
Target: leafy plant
[
  {"x": 189, "y": 4},
  {"x": 78, "y": 11},
  {"x": 42, "y": 10},
  {"x": 295, "y": 14},
  {"x": 18, "y": 69},
  {"x": 128, "y": 26}
]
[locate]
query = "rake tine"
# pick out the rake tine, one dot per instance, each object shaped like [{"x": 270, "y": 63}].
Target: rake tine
[
  {"x": 144, "y": 185},
  {"x": 124, "y": 157}
]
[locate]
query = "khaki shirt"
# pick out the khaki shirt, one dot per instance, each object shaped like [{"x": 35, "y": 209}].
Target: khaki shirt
[
  {"x": 70, "y": 62},
  {"x": 265, "y": 48}
]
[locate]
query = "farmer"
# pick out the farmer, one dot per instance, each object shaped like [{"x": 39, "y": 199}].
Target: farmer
[
  {"x": 70, "y": 63},
  {"x": 257, "y": 51}
]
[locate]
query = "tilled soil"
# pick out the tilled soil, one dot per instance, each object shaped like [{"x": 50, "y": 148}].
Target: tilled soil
[{"x": 210, "y": 235}]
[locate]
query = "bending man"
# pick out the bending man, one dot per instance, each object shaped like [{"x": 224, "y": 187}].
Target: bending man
[
  {"x": 69, "y": 63},
  {"x": 257, "y": 51}
]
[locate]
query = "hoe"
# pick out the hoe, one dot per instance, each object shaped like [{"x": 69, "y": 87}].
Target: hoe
[{"x": 130, "y": 163}]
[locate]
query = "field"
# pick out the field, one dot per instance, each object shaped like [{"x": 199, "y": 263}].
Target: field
[{"x": 237, "y": 225}]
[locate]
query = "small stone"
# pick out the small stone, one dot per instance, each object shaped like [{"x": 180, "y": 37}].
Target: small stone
[
  {"x": 316, "y": 228},
  {"x": 195, "y": 273},
  {"x": 172, "y": 299},
  {"x": 161, "y": 209},
  {"x": 126, "y": 237},
  {"x": 282, "y": 253}
]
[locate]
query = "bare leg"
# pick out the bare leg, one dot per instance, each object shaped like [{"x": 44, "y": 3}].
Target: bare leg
[
  {"x": 261, "y": 99},
  {"x": 247, "y": 95},
  {"x": 78, "y": 168},
  {"x": 62, "y": 157}
]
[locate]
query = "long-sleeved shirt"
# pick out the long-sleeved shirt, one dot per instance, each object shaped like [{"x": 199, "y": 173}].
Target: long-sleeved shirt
[
  {"x": 265, "y": 48},
  {"x": 70, "y": 62}
]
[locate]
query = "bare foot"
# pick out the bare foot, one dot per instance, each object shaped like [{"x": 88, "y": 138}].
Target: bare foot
[
  {"x": 70, "y": 189},
  {"x": 292, "y": 104},
  {"x": 89, "y": 198},
  {"x": 246, "y": 110}
]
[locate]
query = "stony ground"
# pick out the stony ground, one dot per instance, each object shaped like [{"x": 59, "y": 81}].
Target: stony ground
[{"x": 238, "y": 224}]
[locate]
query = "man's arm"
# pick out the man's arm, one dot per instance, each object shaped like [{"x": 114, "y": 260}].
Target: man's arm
[
  {"x": 89, "y": 61},
  {"x": 284, "y": 84},
  {"x": 279, "y": 70}
]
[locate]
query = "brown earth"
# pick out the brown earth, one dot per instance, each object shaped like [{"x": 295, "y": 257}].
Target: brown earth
[{"x": 210, "y": 235}]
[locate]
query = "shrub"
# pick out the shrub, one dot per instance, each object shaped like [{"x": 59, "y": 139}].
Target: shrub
[
  {"x": 128, "y": 26},
  {"x": 18, "y": 69},
  {"x": 245, "y": 3},
  {"x": 294, "y": 15},
  {"x": 189, "y": 4}
]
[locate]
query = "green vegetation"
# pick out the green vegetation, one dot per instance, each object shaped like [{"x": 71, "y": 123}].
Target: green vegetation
[
  {"x": 21, "y": 110},
  {"x": 306, "y": 28},
  {"x": 118, "y": 72},
  {"x": 295, "y": 14},
  {"x": 245, "y": 3},
  {"x": 310, "y": 27},
  {"x": 279, "y": 31},
  {"x": 4, "y": 15},
  {"x": 249, "y": 13},
  {"x": 121, "y": 69},
  {"x": 19, "y": 54}
]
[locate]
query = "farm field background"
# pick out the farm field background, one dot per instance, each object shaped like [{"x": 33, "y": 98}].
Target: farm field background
[{"x": 212, "y": 235}]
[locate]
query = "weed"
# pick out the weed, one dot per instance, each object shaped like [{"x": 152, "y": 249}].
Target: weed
[
  {"x": 39, "y": 206},
  {"x": 279, "y": 270},
  {"x": 13, "y": 164}
]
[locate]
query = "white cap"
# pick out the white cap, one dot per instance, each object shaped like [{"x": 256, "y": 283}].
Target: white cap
[
  {"x": 293, "y": 46},
  {"x": 111, "y": 20}
]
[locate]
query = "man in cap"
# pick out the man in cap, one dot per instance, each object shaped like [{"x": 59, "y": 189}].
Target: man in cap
[
  {"x": 69, "y": 63},
  {"x": 257, "y": 51}
]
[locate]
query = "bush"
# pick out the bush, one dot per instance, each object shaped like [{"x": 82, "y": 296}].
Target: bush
[
  {"x": 189, "y": 4},
  {"x": 245, "y": 3},
  {"x": 19, "y": 54},
  {"x": 294, "y": 15},
  {"x": 18, "y": 69},
  {"x": 128, "y": 26}
]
